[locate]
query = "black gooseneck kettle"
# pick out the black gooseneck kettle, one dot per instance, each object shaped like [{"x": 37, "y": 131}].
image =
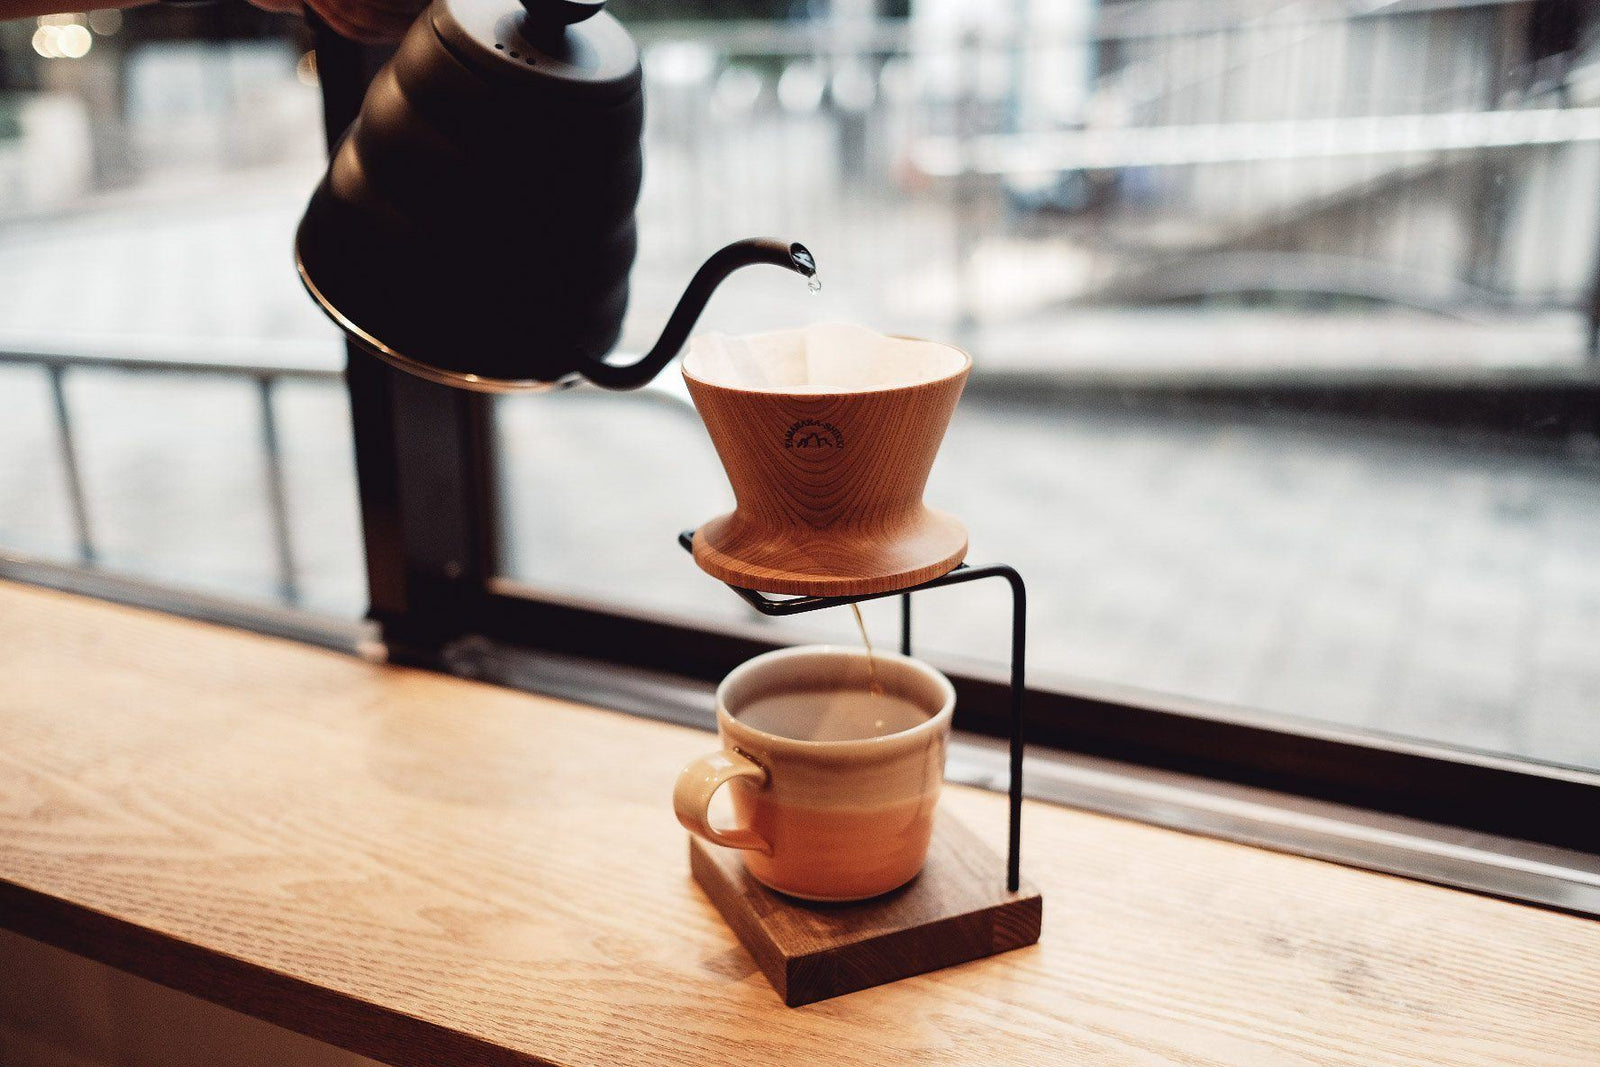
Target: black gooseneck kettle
[{"x": 476, "y": 224}]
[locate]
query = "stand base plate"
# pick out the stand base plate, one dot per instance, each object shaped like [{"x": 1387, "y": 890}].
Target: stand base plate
[{"x": 956, "y": 910}]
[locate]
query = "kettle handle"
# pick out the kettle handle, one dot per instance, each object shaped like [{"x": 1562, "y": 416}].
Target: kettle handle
[{"x": 723, "y": 262}]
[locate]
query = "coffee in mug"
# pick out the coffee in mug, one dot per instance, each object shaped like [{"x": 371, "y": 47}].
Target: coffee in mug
[{"x": 834, "y": 784}]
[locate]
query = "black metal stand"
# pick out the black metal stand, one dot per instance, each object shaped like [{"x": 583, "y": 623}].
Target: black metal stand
[{"x": 778, "y": 607}]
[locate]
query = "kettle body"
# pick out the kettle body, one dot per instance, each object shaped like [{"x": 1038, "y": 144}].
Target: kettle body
[{"x": 476, "y": 222}]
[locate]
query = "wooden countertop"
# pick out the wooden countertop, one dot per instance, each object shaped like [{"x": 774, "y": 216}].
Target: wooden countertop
[{"x": 426, "y": 870}]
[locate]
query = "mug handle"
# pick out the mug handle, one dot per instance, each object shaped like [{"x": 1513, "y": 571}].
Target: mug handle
[{"x": 691, "y": 796}]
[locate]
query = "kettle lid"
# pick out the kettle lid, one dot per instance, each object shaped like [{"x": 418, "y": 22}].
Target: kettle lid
[{"x": 569, "y": 46}]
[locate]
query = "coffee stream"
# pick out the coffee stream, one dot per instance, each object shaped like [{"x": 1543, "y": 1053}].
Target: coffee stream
[{"x": 872, "y": 662}]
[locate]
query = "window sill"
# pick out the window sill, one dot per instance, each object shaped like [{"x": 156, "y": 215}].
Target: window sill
[{"x": 422, "y": 869}]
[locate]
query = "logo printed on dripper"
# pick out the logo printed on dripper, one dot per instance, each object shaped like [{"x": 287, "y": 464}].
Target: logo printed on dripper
[{"x": 814, "y": 434}]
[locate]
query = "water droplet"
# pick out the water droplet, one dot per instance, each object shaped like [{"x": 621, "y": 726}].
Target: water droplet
[{"x": 814, "y": 283}]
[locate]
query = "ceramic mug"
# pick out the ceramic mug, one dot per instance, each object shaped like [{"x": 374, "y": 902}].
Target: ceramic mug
[{"x": 823, "y": 814}]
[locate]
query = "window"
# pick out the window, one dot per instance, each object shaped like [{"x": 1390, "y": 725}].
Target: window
[{"x": 1280, "y": 403}]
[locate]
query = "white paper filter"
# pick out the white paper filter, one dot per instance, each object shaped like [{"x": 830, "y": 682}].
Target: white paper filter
[{"x": 832, "y": 357}]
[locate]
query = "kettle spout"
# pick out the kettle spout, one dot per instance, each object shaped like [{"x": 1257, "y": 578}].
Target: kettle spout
[{"x": 725, "y": 261}]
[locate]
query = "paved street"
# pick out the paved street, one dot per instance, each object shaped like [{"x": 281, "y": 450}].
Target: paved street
[{"x": 1337, "y": 571}]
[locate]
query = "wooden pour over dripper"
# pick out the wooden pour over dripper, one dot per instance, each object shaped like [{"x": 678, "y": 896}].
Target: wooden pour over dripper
[
  {"x": 829, "y": 489},
  {"x": 828, "y": 474}
]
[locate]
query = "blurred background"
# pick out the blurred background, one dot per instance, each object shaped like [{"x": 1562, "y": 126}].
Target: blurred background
[{"x": 1284, "y": 320}]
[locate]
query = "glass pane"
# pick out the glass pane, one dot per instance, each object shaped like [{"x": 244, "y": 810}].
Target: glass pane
[
  {"x": 152, "y": 166},
  {"x": 1284, "y": 391}
]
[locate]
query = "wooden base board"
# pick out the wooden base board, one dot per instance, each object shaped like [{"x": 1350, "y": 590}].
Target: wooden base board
[{"x": 956, "y": 910}]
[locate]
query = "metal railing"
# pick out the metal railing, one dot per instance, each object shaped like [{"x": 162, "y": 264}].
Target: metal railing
[{"x": 56, "y": 366}]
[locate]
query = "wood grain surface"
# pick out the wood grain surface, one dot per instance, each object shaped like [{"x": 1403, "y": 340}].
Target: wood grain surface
[
  {"x": 955, "y": 911},
  {"x": 829, "y": 488},
  {"x": 432, "y": 871}
]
